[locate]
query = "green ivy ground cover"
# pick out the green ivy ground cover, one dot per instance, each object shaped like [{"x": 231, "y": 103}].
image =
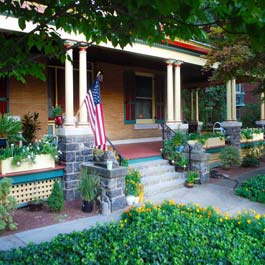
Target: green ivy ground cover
[
  {"x": 166, "y": 234},
  {"x": 253, "y": 189}
]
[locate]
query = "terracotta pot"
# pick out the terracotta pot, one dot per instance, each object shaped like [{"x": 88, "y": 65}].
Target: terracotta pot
[{"x": 189, "y": 184}]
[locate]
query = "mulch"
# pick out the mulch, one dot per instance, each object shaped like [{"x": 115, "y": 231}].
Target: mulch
[{"x": 26, "y": 219}]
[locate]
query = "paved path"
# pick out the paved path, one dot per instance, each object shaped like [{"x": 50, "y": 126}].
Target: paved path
[{"x": 219, "y": 194}]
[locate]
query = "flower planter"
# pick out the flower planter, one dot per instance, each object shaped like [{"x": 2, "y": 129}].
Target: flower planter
[
  {"x": 41, "y": 162},
  {"x": 189, "y": 184},
  {"x": 87, "y": 206},
  {"x": 256, "y": 137},
  {"x": 214, "y": 142},
  {"x": 130, "y": 199}
]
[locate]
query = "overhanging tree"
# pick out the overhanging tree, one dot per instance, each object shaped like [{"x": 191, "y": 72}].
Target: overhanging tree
[{"x": 118, "y": 21}]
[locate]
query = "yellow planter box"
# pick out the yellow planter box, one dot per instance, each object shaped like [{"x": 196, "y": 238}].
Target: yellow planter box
[
  {"x": 211, "y": 142},
  {"x": 214, "y": 142},
  {"x": 41, "y": 162},
  {"x": 256, "y": 137}
]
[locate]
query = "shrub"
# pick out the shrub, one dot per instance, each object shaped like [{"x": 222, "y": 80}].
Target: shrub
[
  {"x": 56, "y": 199},
  {"x": 253, "y": 189},
  {"x": 164, "y": 234},
  {"x": 230, "y": 157},
  {"x": 30, "y": 126},
  {"x": 7, "y": 205},
  {"x": 250, "y": 160}
]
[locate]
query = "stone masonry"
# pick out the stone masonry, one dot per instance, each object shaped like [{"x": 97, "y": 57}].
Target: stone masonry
[
  {"x": 76, "y": 149},
  {"x": 112, "y": 184}
]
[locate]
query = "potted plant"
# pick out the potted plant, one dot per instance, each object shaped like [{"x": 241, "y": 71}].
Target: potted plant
[
  {"x": 57, "y": 115},
  {"x": 191, "y": 177},
  {"x": 132, "y": 186},
  {"x": 89, "y": 188},
  {"x": 9, "y": 130},
  {"x": 181, "y": 164},
  {"x": 30, "y": 127}
]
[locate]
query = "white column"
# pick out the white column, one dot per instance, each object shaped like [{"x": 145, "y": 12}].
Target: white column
[
  {"x": 82, "y": 85},
  {"x": 228, "y": 101},
  {"x": 233, "y": 99},
  {"x": 69, "y": 89},
  {"x": 177, "y": 99},
  {"x": 170, "y": 108},
  {"x": 262, "y": 107},
  {"x": 197, "y": 104},
  {"x": 191, "y": 106}
]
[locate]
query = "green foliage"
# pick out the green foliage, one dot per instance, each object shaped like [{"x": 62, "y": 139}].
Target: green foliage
[
  {"x": 191, "y": 176},
  {"x": 30, "y": 126},
  {"x": 250, "y": 160},
  {"x": 124, "y": 163},
  {"x": 230, "y": 157},
  {"x": 9, "y": 128},
  {"x": 132, "y": 182},
  {"x": 182, "y": 161},
  {"x": 89, "y": 184},
  {"x": 56, "y": 199},
  {"x": 56, "y": 111},
  {"x": 29, "y": 152},
  {"x": 7, "y": 205},
  {"x": 250, "y": 114},
  {"x": 164, "y": 234},
  {"x": 253, "y": 189}
]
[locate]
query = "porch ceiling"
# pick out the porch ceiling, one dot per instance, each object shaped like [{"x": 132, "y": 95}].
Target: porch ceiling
[{"x": 191, "y": 74}]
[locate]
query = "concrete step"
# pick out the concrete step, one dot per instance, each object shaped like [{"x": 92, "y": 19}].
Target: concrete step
[{"x": 159, "y": 177}]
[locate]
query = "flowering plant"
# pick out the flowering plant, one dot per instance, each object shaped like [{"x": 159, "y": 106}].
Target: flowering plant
[
  {"x": 133, "y": 182},
  {"x": 20, "y": 154}
]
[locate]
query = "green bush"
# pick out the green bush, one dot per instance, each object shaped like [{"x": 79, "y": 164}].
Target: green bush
[
  {"x": 253, "y": 189},
  {"x": 132, "y": 182},
  {"x": 56, "y": 199},
  {"x": 166, "y": 234},
  {"x": 7, "y": 205},
  {"x": 230, "y": 157},
  {"x": 250, "y": 160}
]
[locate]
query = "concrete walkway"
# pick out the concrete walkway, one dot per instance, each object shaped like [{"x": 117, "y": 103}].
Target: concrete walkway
[{"x": 219, "y": 194}]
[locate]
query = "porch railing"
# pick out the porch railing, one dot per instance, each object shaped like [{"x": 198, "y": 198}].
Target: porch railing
[
  {"x": 121, "y": 157},
  {"x": 167, "y": 132}
]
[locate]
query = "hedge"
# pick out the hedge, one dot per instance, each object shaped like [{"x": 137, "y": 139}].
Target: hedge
[{"x": 165, "y": 234}]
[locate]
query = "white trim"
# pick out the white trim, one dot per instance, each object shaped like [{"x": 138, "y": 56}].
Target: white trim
[
  {"x": 145, "y": 126},
  {"x": 139, "y": 140}
]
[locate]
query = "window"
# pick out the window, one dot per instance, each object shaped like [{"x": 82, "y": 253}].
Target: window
[
  {"x": 4, "y": 106},
  {"x": 143, "y": 98}
]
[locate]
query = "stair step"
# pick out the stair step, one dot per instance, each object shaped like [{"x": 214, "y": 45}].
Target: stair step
[
  {"x": 155, "y": 179},
  {"x": 149, "y": 164},
  {"x": 152, "y": 171}
]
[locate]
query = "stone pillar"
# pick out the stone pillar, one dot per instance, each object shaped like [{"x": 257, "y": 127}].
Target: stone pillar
[
  {"x": 170, "y": 108},
  {"x": 69, "y": 88},
  {"x": 198, "y": 161},
  {"x": 76, "y": 149},
  {"x": 82, "y": 85},
  {"x": 177, "y": 98},
  {"x": 261, "y": 122},
  {"x": 112, "y": 184}
]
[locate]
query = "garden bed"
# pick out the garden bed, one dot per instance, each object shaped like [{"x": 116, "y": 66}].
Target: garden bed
[
  {"x": 27, "y": 220},
  {"x": 165, "y": 234}
]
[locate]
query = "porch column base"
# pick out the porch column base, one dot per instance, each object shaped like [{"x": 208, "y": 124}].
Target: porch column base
[
  {"x": 77, "y": 147},
  {"x": 178, "y": 126},
  {"x": 232, "y": 131},
  {"x": 261, "y": 123}
]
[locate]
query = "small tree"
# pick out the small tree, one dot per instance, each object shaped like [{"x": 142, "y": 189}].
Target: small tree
[
  {"x": 7, "y": 205},
  {"x": 30, "y": 126},
  {"x": 56, "y": 199},
  {"x": 230, "y": 157}
]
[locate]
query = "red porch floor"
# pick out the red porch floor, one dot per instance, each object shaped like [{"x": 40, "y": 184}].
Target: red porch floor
[{"x": 139, "y": 150}]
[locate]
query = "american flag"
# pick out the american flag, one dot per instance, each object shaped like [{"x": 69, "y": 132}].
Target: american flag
[{"x": 95, "y": 114}]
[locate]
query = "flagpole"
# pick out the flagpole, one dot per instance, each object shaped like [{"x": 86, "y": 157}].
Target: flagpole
[{"x": 78, "y": 111}]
